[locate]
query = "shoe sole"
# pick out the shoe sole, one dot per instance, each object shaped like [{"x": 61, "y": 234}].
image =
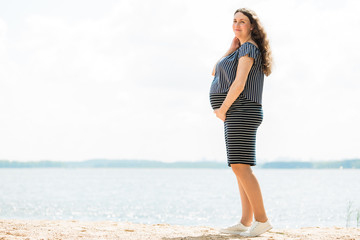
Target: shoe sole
[
  {"x": 255, "y": 235},
  {"x": 232, "y": 232}
]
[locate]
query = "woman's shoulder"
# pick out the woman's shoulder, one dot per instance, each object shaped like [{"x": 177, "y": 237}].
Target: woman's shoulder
[
  {"x": 250, "y": 49},
  {"x": 250, "y": 44}
]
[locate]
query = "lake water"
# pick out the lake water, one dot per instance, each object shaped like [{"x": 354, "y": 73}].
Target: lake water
[{"x": 293, "y": 197}]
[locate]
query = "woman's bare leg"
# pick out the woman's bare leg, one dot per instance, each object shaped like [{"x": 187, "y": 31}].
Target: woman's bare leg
[
  {"x": 247, "y": 212},
  {"x": 252, "y": 190}
]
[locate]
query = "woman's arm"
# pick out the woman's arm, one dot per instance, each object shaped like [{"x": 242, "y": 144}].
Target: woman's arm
[
  {"x": 230, "y": 51},
  {"x": 242, "y": 72}
]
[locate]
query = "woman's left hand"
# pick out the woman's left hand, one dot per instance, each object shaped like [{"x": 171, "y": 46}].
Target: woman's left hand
[{"x": 220, "y": 114}]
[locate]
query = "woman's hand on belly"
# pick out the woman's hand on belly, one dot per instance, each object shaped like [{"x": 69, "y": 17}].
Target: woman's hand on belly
[{"x": 220, "y": 113}]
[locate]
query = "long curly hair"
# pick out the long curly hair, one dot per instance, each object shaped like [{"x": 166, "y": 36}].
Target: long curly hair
[{"x": 260, "y": 37}]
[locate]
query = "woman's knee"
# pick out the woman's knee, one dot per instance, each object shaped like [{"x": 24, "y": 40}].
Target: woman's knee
[{"x": 241, "y": 169}]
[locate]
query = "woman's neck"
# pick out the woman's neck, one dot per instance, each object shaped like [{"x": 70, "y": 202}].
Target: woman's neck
[{"x": 244, "y": 40}]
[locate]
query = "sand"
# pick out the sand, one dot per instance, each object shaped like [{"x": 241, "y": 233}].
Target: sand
[{"x": 73, "y": 229}]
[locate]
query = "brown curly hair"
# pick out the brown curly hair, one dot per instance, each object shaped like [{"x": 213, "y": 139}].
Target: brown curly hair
[{"x": 260, "y": 37}]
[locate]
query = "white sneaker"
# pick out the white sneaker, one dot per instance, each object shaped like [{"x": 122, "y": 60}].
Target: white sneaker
[
  {"x": 236, "y": 229},
  {"x": 257, "y": 228}
]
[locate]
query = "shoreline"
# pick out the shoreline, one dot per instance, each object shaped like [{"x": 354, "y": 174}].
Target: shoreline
[{"x": 78, "y": 229}]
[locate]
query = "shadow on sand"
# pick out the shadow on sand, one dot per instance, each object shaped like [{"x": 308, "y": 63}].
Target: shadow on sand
[
  {"x": 225, "y": 236},
  {"x": 207, "y": 237}
]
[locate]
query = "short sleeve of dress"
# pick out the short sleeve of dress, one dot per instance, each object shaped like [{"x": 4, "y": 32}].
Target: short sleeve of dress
[{"x": 248, "y": 49}]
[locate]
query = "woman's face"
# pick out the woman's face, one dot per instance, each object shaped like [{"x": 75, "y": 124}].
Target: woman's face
[{"x": 241, "y": 25}]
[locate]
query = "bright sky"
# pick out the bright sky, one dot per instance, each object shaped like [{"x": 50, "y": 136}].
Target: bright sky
[{"x": 130, "y": 79}]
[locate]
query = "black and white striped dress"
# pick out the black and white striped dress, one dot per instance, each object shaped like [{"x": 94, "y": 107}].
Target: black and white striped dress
[{"x": 245, "y": 115}]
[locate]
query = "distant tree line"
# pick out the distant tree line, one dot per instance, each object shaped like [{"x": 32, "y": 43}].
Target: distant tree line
[
  {"x": 352, "y": 163},
  {"x": 104, "y": 163}
]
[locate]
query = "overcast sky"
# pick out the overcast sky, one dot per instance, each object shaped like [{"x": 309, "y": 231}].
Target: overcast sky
[{"x": 130, "y": 79}]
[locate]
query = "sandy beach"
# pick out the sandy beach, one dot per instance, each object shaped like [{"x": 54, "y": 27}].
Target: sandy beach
[{"x": 74, "y": 229}]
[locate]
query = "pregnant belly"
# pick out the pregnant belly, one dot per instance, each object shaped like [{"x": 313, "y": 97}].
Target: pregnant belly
[{"x": 216, "y": 99}]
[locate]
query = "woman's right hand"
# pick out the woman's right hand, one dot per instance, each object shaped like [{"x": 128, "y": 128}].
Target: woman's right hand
[{"x": 235, "y": 44}]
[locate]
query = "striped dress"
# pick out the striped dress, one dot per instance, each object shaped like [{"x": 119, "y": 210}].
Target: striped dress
[{"x": 245, "y": 115}]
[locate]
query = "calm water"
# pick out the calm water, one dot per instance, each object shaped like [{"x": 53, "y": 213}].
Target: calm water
[{"x": 292, "y": 198}]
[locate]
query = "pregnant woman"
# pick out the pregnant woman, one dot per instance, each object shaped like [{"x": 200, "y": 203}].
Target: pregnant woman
[{"x": 236, "y": 97}]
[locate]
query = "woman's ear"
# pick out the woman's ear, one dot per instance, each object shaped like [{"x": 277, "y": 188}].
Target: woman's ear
[{"x": 251, "y": 26}]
